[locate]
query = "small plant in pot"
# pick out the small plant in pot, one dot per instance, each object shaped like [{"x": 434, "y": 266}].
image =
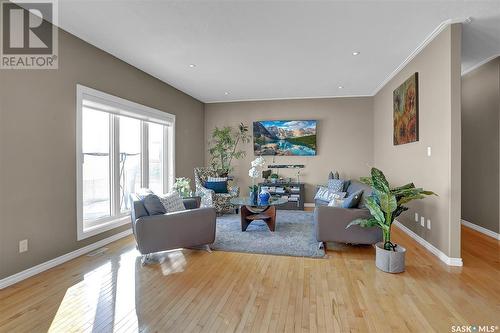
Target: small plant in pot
[
  {"x": 182, "y": 186},
  {"x": 274, "y": 177},
  {"x": 385, "y": 205}
]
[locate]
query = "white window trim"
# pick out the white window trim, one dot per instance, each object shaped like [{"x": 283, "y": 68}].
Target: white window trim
[{"x": 127, "y": 108}]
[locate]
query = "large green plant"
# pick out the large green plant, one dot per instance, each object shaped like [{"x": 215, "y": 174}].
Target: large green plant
[
  {"x": 386, "y": 203},
  {"x": 224, "y": 146}
]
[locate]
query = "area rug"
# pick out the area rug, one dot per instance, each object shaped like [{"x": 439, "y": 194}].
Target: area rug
[{"x": 294, "y": 235}]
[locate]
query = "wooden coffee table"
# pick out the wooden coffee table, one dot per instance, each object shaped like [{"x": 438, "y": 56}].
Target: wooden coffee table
[{"x": 253, "y": 211}]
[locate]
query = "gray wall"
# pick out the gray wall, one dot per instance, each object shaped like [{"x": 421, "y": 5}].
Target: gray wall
[
  {"x": 37, "y": 145},
  {"x": 481, "y": 145},
  {"x": 344, "y": 135},
  {"x": 438, "y": 65}
]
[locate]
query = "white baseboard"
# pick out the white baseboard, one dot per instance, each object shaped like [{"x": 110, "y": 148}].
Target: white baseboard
[
  {"x": 480, "y": 229},
  {"x": 10, "y": 280},
  {"x": 431, "y": 248},
  {"x": 309, "y": 205}
]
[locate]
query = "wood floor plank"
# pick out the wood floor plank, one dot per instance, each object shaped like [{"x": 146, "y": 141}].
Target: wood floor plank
[{"x": 197, "y": 291}]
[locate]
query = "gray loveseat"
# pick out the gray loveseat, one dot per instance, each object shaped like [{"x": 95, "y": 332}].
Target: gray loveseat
[
  {"x": 189, "y": 228},
  {"x": 330, "y": 222}
]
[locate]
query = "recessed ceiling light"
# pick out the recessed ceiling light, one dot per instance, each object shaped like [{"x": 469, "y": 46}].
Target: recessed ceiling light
[
  {"x": 192, "y": 65},
  {"x": 226, "y": 93},
  {"x": 341, "y": 87},
  {"x": 355, "y": 53}
]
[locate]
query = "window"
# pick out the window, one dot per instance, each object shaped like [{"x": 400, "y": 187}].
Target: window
[
  {"x": 130, "y": 160},
  {"x": 155, "y": 161},
  {"x": 121, "y": 147},
  {"x": 95, "y": 165}
]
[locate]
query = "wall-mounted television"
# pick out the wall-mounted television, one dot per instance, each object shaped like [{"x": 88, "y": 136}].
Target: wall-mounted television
[{"x": 284, "y": 137}]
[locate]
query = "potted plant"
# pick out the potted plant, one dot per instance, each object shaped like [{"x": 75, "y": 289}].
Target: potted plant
[
  {"x": 274, "y": 177},
  {"x": 224, "y": 147},
  {"x": 182, "y": 185},
  {"x": 385, "y": 205}
]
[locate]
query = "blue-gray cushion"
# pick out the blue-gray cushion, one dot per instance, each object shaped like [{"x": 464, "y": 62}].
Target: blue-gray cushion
[
  {"x": 336, "y": 185},
  {"x": 347, "y": 183},
  {"x": 153, "y": 205},
  {"x": 217, "y": 186},
  {"x": 352, "y": 200},
  {"x": 333, "y": 175}
]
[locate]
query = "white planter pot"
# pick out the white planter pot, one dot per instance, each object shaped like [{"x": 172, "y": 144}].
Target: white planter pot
[{"x": 390, "y": 261}]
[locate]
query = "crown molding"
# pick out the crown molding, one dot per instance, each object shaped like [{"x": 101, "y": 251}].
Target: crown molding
[
  {"x": 419, "y": 49},
  {"x": 283, "y": 99},
  {"x": 476, "y": 66}
]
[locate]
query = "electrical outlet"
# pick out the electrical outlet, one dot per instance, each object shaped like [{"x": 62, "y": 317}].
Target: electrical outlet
[
  {"x": 416, "y": 217},
  {"x": 429, "y": 151},
  {"x": 23, "y": 246},
  {"x": 429, "y": 224},
  {"x": 422, "y": 221}
]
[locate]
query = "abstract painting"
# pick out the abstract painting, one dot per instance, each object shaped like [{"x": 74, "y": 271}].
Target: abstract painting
[
  {"x": 405, "y": 111},
  {"x": 285, "y": 137}
]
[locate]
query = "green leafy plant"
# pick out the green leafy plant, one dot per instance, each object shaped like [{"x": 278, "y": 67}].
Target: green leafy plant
[
  {"x": 386, "y": 204},
  {"x": 224, "y": 147},
  {"x": 182, "y": 185},
  {"x": 274, "y": 176},
  {"x": 253, "y": 188}
]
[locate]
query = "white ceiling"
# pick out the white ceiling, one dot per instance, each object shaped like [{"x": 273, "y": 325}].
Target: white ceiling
[{"x": 278, "y": 49}]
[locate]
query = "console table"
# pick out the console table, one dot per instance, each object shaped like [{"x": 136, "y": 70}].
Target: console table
[{"x": 292, "y": 191}]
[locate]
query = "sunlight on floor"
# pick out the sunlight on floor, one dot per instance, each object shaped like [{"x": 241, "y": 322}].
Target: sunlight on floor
[
  {"x": 78, "y": 308},
  {"x": 125, "y": 314},
  {"x": 105, "y": 299},
  {"x": 173, "y": 262}
]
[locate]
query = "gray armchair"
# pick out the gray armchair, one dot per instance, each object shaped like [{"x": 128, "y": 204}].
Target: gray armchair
[
  {"x": 183, "y": 229},
  {"x": 330, "y": 222}
]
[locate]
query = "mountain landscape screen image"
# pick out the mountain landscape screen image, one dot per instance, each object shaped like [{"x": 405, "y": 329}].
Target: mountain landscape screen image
[{"x": 285, "y": 137}]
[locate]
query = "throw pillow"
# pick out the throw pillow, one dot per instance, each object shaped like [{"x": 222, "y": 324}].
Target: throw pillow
[
  {"x": 217, "y": 186},
  {"x": 336, "y": 185},
  {"x": 352, "y": 201},
  {"x": 217, "y": 179},
  {"x": 347, "y": 183},
  {"x": 172, "y": 202},
  {"x": 336, "y": 202},
  {"x": 332, "y": 175},
  {"x": 153, "y": 205},
  {"x": 325, "y": 194}
]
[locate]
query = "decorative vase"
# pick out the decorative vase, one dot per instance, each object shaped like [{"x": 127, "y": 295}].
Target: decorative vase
[
  {"x": 390, "y": 261},
  {"x": 264, "y": 196}
]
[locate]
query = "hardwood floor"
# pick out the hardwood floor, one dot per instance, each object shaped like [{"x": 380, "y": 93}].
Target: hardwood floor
[{"x": 207, "y": 292}]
